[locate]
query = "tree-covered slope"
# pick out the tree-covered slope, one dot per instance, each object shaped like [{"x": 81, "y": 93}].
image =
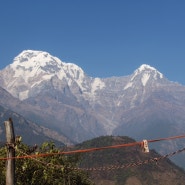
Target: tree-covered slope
[{"x": 125, "y": 165}]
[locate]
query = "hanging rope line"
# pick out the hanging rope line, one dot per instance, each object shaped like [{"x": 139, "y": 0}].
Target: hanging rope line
[
  {"x": 139, "y": 163},
  {"x": 91, "y": 149},
  {"x": 113, "y": 167},
  {"x": 168, "y": 138}
]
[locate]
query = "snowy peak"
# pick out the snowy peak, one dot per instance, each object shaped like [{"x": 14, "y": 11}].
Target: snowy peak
[
  {"x": 144, "y": 67},
  {"x": 31, "y": 69},
  {"x": 31, "y": 63},
  {"x": 146, "y": 72},
  {"x": 143, "y": 74},
  {"x": 30, "y": 60},
  {"x": 147, "y": 68}
]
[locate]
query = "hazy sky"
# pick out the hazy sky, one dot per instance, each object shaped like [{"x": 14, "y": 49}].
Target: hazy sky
[{"x": 104, "y": 37}]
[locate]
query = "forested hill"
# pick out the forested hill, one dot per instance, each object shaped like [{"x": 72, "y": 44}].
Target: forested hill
[{"x": 154, "y": 173}]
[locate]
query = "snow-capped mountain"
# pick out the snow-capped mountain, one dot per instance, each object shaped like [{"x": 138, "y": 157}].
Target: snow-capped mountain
[
  {"x": 30, "y": 69},
  {"x": 61, "y": 96},
  {"x": 35, "y": 72},
  {"x": 38, "y": 74}
]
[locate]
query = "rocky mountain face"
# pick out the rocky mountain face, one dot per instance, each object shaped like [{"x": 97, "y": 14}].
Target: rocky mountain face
[
  {"x": 31, "y": 132},
  {"x": 61, "y": 97}
]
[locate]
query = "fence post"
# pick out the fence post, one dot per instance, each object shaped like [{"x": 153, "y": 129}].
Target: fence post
[{"x": 10, "y": 163}]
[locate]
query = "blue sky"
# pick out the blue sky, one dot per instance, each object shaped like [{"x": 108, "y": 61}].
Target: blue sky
[{"x": 104, "y": 37}]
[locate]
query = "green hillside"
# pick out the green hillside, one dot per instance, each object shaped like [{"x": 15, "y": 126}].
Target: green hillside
[{"x": 152, "y": 173}]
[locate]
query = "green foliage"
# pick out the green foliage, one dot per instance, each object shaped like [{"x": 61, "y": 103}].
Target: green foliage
[{"x": 50, "y": 170}]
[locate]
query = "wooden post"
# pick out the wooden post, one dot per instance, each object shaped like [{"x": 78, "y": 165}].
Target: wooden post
[{"x": 10, "y": 164}]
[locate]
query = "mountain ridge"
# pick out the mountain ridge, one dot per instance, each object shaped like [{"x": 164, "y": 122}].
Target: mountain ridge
[
  {"x": 81, "y": 107},
  {"x": 35, "y": 72},
  {"x": 30, "y": 65}
]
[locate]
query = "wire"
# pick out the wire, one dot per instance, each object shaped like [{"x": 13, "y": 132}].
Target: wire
[
  {"x": 139, "y": 163},
  {"x": 43, "y": 163},
  {"x": 168, "y": 138},
  {"x": 72, "y": 152},
  {"x": 92, "y": 149},
  {"x": 115, "y": 167}
]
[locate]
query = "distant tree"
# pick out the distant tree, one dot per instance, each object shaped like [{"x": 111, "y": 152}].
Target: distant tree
[{"x": 49, "y": 170}]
